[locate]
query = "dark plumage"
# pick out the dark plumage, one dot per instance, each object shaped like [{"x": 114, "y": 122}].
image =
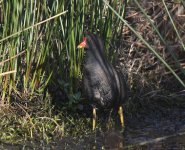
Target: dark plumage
[{"x": 102, "y": 84}]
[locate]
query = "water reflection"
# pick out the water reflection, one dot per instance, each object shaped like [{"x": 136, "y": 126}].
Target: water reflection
[{"x": 111, "y": 140}]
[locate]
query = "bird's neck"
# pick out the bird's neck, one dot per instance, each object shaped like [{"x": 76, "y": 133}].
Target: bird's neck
[{"x": 94, "y": 57}]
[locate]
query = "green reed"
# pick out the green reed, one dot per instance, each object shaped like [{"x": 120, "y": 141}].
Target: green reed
[{"x": 39, "y": 52}]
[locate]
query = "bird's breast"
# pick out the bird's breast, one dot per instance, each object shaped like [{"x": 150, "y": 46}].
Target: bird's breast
[{"x": 99, "y": 84}]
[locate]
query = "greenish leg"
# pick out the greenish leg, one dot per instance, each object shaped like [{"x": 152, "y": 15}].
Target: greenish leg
[
  {"x": 94, "y": 118},
  {"x": 120, "y": 112}
]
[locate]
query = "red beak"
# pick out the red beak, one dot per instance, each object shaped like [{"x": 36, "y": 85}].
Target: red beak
[{"x": 83, "y": 43}]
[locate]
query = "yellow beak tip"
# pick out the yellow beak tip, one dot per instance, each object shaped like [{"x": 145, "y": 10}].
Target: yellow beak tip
[{"x": 79, "y": 46}]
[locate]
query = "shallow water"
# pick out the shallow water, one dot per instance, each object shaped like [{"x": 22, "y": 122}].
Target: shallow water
[{"x": 159, "y": 129}]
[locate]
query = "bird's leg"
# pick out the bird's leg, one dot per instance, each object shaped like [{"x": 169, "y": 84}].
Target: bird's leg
[
  {"x": 94, "y": 118},
  {"x": 120, "y": 112},
  {"x": 109, "y": 124}
]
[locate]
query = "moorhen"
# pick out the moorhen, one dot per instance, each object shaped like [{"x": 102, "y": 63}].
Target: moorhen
[{"x": 102, "y": 84}]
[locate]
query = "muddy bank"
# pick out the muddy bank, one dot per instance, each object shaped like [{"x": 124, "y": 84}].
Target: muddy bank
[{"x": 152, "y": 129}]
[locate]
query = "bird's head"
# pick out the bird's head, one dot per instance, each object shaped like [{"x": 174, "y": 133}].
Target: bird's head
[
  {"x": 93, "y": 43},
  {"x": 83, "y": 44}
]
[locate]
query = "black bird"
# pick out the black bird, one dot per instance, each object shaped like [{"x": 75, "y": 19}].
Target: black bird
[{"x": 103, "y": 85}]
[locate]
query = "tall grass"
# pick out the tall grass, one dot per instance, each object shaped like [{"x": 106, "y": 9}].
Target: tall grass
[{"x": 39, "y": 53}]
